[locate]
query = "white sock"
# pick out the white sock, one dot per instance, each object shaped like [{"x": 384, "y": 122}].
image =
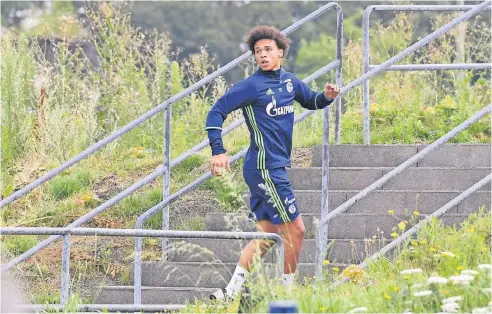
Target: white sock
[
  {"x": 288, "y": 279},
  {"x": 238, "y": 278}
]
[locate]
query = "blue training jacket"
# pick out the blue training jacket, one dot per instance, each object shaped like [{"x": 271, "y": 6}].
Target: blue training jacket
[{"x": 267, "y": 101}]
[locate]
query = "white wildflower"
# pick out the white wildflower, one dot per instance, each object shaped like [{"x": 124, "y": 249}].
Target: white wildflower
[
  {"x": 359, "y": 310},
  {"x": 469, "y": 272},
  {"x": 485, "y": 266},
  {"x": 407, "y": 311},
  {"x": 417, "y": 286},
  {"x": 437, "y": 280},
  {"x": 411, "y": 271},
  {"x": 452, "y": 299},
  {"x": 450, "y": 307},
  {"x": 481, "y": 310},
  {"x": 461, "y": 279},
  {"x": 487, "y": 290},
  {"x": 422, "y": 293}
]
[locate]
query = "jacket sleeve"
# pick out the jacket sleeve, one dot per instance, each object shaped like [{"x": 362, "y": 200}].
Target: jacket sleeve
[
  {"x": 239, "y": 96},
  {"x": 309, "y": 99}
]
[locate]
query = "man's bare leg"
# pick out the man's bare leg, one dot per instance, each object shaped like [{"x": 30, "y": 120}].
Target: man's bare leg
[
  {"x": 250, "y": 250},
  {"x": 241, "y": 273},
  {"x": 294, "y": 233}
]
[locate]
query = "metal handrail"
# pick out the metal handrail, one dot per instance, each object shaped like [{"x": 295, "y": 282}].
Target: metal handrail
[
  {"x": 410, "y": 232},
  {"x": 91, "y": 308},
  {"x": 409, "y": 162},
  {"x": 175, "y": 234},
  {"x": 162, "y": 170},
  {"x": 321, "y": 243},
  {"x": 407, "y": 67},
  {"x": 441, "y": 211},
  {"x": 149, "y": 114}
]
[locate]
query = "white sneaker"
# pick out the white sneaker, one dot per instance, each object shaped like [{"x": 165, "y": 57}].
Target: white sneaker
[{"x": 220, "y": 294}]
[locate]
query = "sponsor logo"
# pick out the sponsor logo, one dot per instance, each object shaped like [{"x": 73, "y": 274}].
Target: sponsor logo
[
  {"x": 292, "y": 209},
  {"x": 273, "y": 111},
  {"x": 269, "y": 92},
  {"x": 288, "y": 202}
]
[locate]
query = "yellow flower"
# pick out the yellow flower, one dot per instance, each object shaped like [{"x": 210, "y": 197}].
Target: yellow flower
[
  {"x": 432, "y": 249},
  {"x": 402, "y": 225},
  {"x": 469, "y": 230},
  {"x": 335, "y": 269},
  {"x": 406, "y": 277},
  {"x": 396, "y": 289},
  {"x": 387, "y": 297},
  {"x": 322, "y": 309},
  {"x": 484, "y": 249},
  {"x": 326, "y": 262},
  {"x": 448, "y": 254},
  {"x": 460, "y": 268},
  {"x": 394, "y": 234},
  {"x": 391, "y": 211},
  {"x": 423, "y": 242},
  {"x": 416, "y": 213},
  {"x": 414, "y": 243},
  {"x": 353, "y": 272}
]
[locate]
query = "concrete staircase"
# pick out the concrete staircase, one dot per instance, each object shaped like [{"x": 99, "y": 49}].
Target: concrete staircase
[{"x": 198, "y": 267}]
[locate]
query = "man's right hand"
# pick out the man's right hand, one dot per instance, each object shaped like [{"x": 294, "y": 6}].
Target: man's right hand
[{"x": 219, "y": 163}]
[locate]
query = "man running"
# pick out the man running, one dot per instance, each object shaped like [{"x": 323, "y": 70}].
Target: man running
[{"x": 267, "y": 101}]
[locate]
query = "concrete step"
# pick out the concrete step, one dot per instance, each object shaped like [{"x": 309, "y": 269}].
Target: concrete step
[
  {"x": 413, "y": 179},
  {"x": 151, "y": 295},
  {"x": 380, "y": 201},
  {"x": 344, "y": 226},
  {"x": 208, "y": 278},
  {"x": 228, "y": 251},
  {"x": 450, "y": 155},
  {"x": 211, "y": 275}
]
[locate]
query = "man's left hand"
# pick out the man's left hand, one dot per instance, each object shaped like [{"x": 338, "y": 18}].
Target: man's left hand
[{"x": 332, "y": 91}]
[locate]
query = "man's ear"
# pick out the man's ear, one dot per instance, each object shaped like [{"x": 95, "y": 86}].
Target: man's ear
[{"x": 281, "y": 53}]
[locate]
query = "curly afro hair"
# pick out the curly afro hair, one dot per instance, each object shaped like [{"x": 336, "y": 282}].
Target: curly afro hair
[{"x": 267, "y": 32}]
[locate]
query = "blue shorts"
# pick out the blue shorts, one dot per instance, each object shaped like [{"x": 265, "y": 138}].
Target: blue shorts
[{"x": 272, "y": 197}]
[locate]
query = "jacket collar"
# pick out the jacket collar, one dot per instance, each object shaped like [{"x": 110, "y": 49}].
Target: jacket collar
[{"x": 271, "y": 74}]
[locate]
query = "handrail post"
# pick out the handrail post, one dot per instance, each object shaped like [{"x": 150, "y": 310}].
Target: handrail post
[
  {"x": 323, "y": 230},
  {"x": 279, "y": 251},
  {"x": 65, "y": 278},
  {"x": 365, "y": 69},
  {"x": 339, "y": 57},
  {"x": 166, "y": 178}
]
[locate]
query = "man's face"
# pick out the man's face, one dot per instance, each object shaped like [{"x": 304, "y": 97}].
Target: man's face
[{"x": 268, "y": 55}]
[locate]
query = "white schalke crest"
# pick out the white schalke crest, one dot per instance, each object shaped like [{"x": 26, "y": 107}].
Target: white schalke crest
[
  {"x": 292, "y": 208},
  {"x": 290, "y": 88}
]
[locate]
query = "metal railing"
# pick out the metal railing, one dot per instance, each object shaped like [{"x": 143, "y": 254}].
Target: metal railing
[
  {"x": 406, "y": 67},
  {"x": 67, "y": 232},
  {"x": 321, "y": 243},
  {"x": 165, "y": 169},
  {"x": 412, "y": 160},
  {"x": 412, "y": 231}
]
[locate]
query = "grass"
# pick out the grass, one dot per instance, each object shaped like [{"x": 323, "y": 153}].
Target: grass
[
  {"x": 63, "y": 186},
  {"x": 405, "y": 284}
]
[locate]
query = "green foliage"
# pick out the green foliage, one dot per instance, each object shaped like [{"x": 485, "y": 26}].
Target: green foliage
[
  {"x": 229, "y": 190},
  {"x": 64, "y": 186},
  {"x": 17, "y": 119},
  {"x": 193, "y": 224},
  {"x": 17, "y": 245},
  {"x": 137, "y": 204}
]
